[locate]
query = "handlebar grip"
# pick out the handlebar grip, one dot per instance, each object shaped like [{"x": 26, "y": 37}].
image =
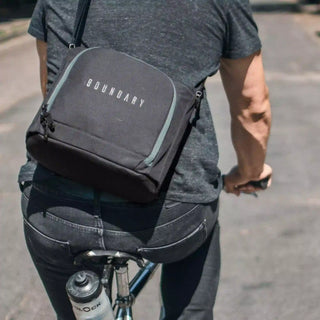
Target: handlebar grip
[{"x": 262, "y": 184}]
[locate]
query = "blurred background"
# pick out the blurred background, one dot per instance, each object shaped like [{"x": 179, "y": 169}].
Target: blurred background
[{"x": 270, "y": 245}]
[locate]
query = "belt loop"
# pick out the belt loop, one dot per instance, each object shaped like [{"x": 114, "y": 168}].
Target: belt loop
[
  {"x": 97, "y": 202},
  {"x": 21, "y": 186}
]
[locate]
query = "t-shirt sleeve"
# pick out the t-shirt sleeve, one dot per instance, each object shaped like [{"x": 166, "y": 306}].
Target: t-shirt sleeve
[
  {"x": 241, "y": 39},
  {"x": 37, "y": 27}
]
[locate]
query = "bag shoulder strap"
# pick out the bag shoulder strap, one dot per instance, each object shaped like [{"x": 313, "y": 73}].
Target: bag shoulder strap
[{"x": 80, "y": 22}]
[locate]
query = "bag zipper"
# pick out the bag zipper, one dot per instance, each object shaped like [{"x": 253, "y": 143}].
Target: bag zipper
[
  {"x": 46, "y": 120},
  {"x": 156, "y": 148},
  {"x": 64, "y": 78}
]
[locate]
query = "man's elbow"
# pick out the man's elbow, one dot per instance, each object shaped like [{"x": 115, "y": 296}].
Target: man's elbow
[{"x": 256, "y": 106}]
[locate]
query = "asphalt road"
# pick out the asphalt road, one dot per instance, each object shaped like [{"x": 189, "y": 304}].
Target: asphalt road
[{"x": 270, "y": 245}]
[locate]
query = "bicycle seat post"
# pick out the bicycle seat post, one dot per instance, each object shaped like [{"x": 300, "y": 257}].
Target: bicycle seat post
[
  {"x": 124, "y": 300},
  {"x": 122, "y": 280}
]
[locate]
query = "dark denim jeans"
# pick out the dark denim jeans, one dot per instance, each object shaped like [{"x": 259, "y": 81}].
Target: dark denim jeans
[{"x": 183, "y": 236}]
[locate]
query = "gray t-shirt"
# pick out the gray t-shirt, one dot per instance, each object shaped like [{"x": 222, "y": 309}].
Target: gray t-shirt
[{"x": 185, "y": 39}]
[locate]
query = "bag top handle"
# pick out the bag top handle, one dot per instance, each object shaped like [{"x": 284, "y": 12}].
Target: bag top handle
[{"x": 80, "y": 22}]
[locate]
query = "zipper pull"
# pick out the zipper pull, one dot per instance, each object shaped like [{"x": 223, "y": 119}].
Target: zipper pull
[
  {"x": 199, "y": 95},
  {"x": 43, "y": 121},
  {"x": 51, "y": 124},
  {"x": 194, "y": 117},
  {"x": 46, "y": 121}
]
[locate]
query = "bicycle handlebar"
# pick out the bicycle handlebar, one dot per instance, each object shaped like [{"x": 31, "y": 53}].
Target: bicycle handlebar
[{"x": 261, "y": 184}]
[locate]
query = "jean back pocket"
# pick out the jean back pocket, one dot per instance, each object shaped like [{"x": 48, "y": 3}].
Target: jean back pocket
[
  {"x": 177, "y": 250},
  {"x": 46, "y": 249}
]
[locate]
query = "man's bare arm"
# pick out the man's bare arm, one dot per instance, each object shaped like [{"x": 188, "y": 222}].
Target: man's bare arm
[
  {"x": 247, "y": 92},
  {"x": 42, "y": 53}
]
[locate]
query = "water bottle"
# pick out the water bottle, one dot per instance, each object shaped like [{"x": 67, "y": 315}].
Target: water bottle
[{"x": 88, "y": 298}]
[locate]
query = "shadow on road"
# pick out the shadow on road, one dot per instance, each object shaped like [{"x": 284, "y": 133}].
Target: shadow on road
[
  {"x": 276, "y": 7},
  {"x": 298, "y": 7},
  {"x": 9, "y": 14}
]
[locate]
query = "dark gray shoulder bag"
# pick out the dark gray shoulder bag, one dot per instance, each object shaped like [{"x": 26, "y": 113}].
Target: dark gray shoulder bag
[{"x": 111, "y": 121}]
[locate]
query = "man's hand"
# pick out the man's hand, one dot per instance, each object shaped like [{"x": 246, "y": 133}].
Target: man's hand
[{"x": 235, "y": 182}]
